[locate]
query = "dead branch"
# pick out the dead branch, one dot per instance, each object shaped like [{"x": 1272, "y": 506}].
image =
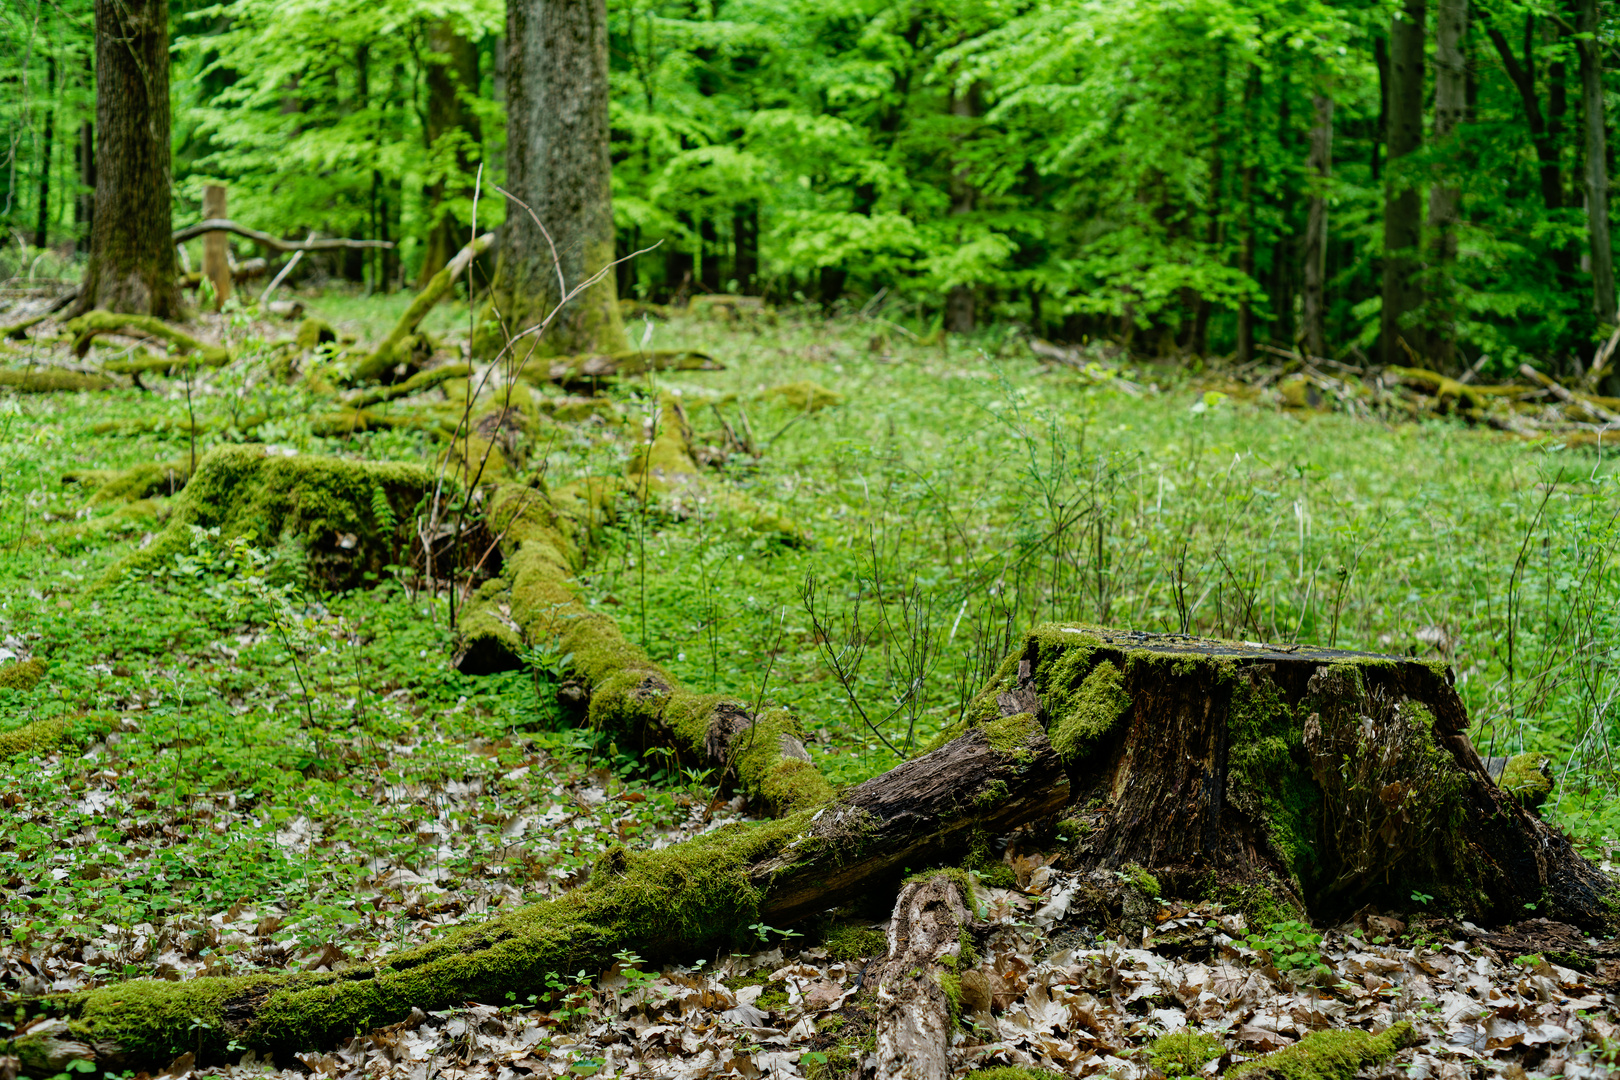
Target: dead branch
[{"x": 264, "y": 239}]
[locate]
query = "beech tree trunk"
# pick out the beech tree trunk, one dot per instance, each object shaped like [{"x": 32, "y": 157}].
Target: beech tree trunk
[
  {"x": 1316, "y": 227},
  {"x": 1445, "y": 200},
  {"x": 1597, "y": 166},
  {"x": 557, "y": 164},
  {"x": 42, "y": 229},
  {"x": 1403, "y": 216},
  {"x": 454, "y": 138},
  {"x": 961, "y": 300},
  {"x": 131, "y": 267}
]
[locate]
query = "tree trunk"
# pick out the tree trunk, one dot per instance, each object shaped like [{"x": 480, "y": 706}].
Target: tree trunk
[
  {"x": 42, "y": 229},
  {"x": 216, "y": 265},
  {"x": 557, "y": 163},
  {"x": 1403, "y": 217},
  {"x": 1597, "y": 170},
  {"x": 454, "y": 138},
  {"x": 1445, "y": 200},
  {"x": 961, "y": 300},
  {"x": 745, "y": 239},
  {"x": 131, "y": 267},
  {"x": 1316, "y": 227},
  {"x": 1245, "y": 315},
  {"x": 1331, "y": 779},
  {"x": 1523, "y": 77},
  {"x": 84, "y": 205}
]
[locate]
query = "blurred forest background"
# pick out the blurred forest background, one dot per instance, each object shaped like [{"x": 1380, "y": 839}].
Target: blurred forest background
[{"x": 1181, "y": 176}]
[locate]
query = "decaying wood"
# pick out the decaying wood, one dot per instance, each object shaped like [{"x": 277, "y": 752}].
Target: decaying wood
[
  {"x": 1582, "y": 401},
  {"x": 400, "y": 344},
  {"x": 264, "y": 239},
  {"x": 88, "y": 326},
  {"x": 914, "y": 1012},
  {"x": 17, "y": 331},
  {"x": 682, "y": 901},
  {"x": 570, "y": 370}
]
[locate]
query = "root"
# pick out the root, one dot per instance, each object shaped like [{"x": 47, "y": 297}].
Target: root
[{"x": 87, "y": 326}]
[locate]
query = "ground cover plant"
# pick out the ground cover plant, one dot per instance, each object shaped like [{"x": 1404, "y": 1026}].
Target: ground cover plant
[{"x": 229, "y": 769}]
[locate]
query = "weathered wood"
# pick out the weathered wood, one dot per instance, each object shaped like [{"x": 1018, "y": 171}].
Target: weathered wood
[
  {"x": 403, "y": 341},
  {"x": 1328, "y": 778},
  {"x": 681, "y": 901},
  {"x": 216, "y": 248},
  {"x": 914, "y": 1010},
  {"x": 575, "y": 370},
  {"x": 264, "y": 239}
]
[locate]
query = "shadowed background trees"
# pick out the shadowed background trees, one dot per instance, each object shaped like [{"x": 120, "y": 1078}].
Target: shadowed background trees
[{"x": 1405, "y": 178}]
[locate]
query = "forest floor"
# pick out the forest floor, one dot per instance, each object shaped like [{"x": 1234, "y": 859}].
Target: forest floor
[{"x": 244, "y": 793}]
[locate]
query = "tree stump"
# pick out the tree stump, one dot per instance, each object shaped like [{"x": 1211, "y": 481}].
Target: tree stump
[{"x": 1328, "y": 779}]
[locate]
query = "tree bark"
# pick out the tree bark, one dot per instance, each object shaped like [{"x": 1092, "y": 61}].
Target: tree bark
[
  {"x": 131, "y": 267},
  {"x": 914, "y": 1023},
  {"x": 745, "y": 239},
  {"x": 1403, "y": 218},
  {"x": 454, "y": 138},
  {"x": 558, "y": 165},
  {"x": 1316, "y": 227},
  {"x": 84, "y": 205},
  {"x": 216, "y": 265},
  {"x": 42, "y": 228},
  {"x": 1445, "y": 200},
  {"x": 961, "y": 300},
  {"x": 1597, "y": 168}
]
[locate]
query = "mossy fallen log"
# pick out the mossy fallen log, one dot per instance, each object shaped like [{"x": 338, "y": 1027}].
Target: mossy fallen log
[
  {"x": 402, "y": 345},
  {"x": 684, "y": 901},
  {"x": 52, "y": 381},
  {"x": 133, "y": 484},
  {"x": 604, "y": 367},
  {"x": 1329, "y": 779},
  {"x": 1447, "y": 392},
  {"x": 1329, "y": 1055},
  {"x": 350, "y": 517},
  {"x": 760, "y": 750},
  {"x": 416, "y": 384},
  {"x": 91, "y": 324},
  {"x": 918, "y": 992}
]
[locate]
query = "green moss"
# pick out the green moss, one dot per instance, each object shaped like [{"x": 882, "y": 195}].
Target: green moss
[
  {"x": 1013, "y": 1072},
  {"x": 1328, "y": 1055},
  {"x": 86, "y": 327},
  {"x": 133, "y": 484},
  {"x": 51, "y": 381},
  {"x": 1526, "y": 778},
  {"x": 830, "y": 1024},
  {"x": 312, "y": 333},
  {"x": 1184, "y": 1053},
  {"x": 1269, "y": 779},
  {"x": 322, "y": 501},
  {"x": 1091, "y": 715},
  {"x": 39, "y": 737},
  {"x": 950, "y": 984},
  {"x": 804, "y": 396},
  {"x": 687, "y": 899},
  {"x": 1142, "y": 881},
  {"x": 22, "y": 675},
  {"x": 854, "y": 941},
  {"x": 1012, "y": 736}
]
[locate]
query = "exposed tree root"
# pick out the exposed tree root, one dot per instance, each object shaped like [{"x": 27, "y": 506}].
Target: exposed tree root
[
  {"x": 590, "y": 370},
  {"x": 416, "y": 384},
  {"x": 86, "y": 327},
  {"x": 52, "y": 381},
  {"x": 686, "y": 900}
]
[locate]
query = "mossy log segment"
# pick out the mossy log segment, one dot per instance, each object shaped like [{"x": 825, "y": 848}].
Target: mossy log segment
[
  {"x": 1340, "y": 778},
  {"x": 575, "y": 370},
  {"x": 685, "y": 901},
  {"x": 349, "y": 516},
  {"x": 420, "y": 382},
  {"x": 92, "y": 323},
  {"x": 51, "y": 381},
  {"x": 1329, "y": 1055},
  {"x": 397, "y": 348},
  {"x": 543, "y": 541},
  {"x": 918, "y": 995}
]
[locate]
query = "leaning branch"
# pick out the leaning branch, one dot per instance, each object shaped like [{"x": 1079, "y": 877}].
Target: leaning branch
[
  {"x": 264, "y": 239},
  {"x": 397, "y": 346}
]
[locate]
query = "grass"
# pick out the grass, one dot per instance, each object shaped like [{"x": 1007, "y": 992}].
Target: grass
[{"x": 241, "y": 749}]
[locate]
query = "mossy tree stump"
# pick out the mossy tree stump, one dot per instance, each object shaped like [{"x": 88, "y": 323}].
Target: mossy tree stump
[{"x": 1331, "y": 779}]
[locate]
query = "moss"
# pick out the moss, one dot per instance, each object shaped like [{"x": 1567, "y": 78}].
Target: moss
[
  {"x": 322, "y": 501},
  {"x": 1527, "y": 778},
  {"x": 1012, "y": 736},
  {"x": 854, "y": 941},
  {"x": 804, "y": 396},
  {"x": 1328, "y": 1055},
  {"x": 1091, "y": 715},
  {"x": 39, "y": 737},
  {"x": 51, "y": 381},
  {"x": 22, "y": 675},
  {"x": 951, "y": 986},
  {"x": 1184, "y": 1053},
  {"x": 1013, "y": 1072},
  {"x": 92, "y": 323},
  {"x": 828, "y": 1025},
  {"x": 133, "y": 484},
  {"x": 313, "y": 333},
  {"x": 687, "y": 899},
  {"x": 1142, "y": 881},
  {"x": 1269, "y": 782}
]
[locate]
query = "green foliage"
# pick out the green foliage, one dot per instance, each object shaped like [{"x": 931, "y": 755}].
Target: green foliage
[
  {"x": 1289, "y": 946},
  {"x": 1184, "y": 1053}
]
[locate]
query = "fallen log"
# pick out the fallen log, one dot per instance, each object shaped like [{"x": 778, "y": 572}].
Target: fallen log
[
  {"x": 1580, "y": 401},
  {"x": 1314, "y": 779},
  {"x": 916, "y": 1011},
  {"x": 577, "y": 370},
  {"x": 17, "y": 331},
  {"x": 264, "y": 239},
  {"x": 51, "y": 381},
  {"x": 683, "y": 901},
  {"x": 88, "y": 326},
  {"x": 398, "y": 347}
]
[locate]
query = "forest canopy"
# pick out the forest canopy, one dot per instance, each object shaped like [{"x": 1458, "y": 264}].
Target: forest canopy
[{"x": 1143, "y": 171}]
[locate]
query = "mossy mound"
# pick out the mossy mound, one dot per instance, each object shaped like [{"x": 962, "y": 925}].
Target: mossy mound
[
  {"x": 854, "y": 941},
  {"x": 804, "y": 396},
  {"x": 22, "y": 675},
  {"x": 351, "y": 517},
  {"x": 51, "y": 381},
  {"x": 1013, "y": 1072},
  {"x": 42, "y": 736},
  {"x": 1528, "y": 778},
  {"x": 1328, "y": 1055},
  {"x": 133, "y": 484},
  {"x": 1184, "y": 1053}
]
